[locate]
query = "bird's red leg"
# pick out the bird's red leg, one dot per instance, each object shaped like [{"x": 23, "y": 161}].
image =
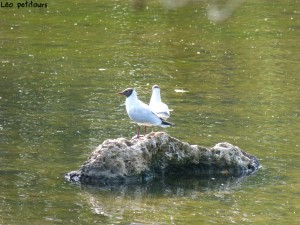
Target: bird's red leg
[{"x": 138, "y": 131}]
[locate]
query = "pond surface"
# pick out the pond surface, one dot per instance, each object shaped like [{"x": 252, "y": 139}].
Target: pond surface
[{"x": 236, "y": 80}]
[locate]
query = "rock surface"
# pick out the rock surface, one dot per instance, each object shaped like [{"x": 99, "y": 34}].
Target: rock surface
[{"x": 159, "y": 155}]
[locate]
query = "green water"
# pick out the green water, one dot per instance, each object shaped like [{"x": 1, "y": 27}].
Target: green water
[{"x": 60, "y": 69}]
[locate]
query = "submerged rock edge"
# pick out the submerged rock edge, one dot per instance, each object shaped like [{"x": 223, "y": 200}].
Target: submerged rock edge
[{"x": 158, "y": 155}]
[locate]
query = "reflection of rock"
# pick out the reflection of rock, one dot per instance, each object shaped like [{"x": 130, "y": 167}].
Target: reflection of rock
[
  {"x": 159, "y": 155},
  {"x": 145, "y": 201}
]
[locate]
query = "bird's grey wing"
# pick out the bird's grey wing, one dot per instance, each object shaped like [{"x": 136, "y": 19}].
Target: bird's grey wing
[
  {"x": 163, "y": 115},
  {"x": 144, "y": 115},
  {"x": 163, "y": 111}
]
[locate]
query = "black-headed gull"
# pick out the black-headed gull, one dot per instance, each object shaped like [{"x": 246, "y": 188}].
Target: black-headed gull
[
  {"x": 140, "y": 112},
  {"x": 157, "y": 106}
]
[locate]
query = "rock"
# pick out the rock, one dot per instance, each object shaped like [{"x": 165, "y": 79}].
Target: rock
[{"x": 159, "y": 155}]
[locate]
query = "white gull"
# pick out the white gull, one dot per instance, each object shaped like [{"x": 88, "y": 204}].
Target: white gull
[
  {"x": 140, "y": 112},
  {"x": 157, "y": 106}
]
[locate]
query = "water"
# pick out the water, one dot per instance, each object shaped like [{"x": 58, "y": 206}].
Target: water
[{"x": 62, "y": 66}]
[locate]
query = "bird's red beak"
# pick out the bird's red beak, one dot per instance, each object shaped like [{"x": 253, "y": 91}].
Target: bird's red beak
[{"x": 120, "y": 93}]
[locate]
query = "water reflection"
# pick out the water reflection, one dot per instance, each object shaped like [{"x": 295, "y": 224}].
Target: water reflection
[
  {"x": 171, "y": 186},
  {"x": 217, "y": 10},
  {"x": 108, "y": 201}
]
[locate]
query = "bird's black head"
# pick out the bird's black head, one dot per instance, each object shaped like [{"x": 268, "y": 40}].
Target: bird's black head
[
  {"x": 155, "y": 86},
  {"x": 127, "y": 92}
]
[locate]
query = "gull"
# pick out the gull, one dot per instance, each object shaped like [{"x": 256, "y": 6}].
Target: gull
[
  {"x": 141, "y": 113},
  {"x": 157, "y": 106}
]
